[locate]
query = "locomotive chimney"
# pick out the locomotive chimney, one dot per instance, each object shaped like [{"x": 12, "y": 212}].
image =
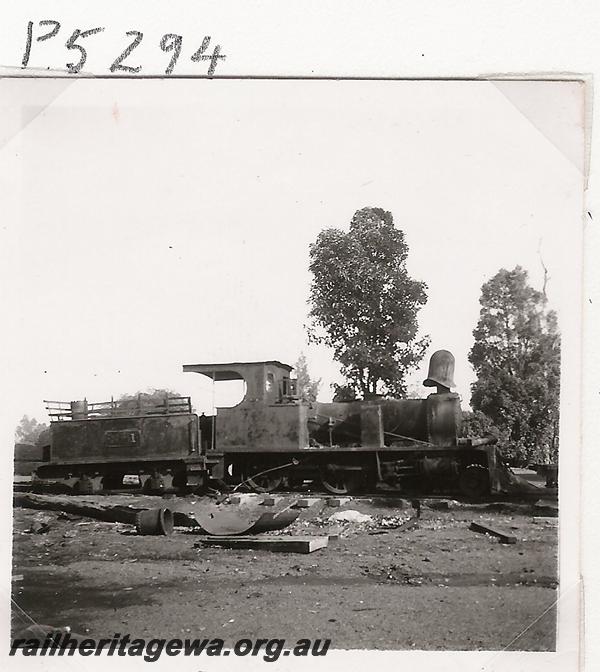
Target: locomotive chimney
[{"x": 441, "y": 371}]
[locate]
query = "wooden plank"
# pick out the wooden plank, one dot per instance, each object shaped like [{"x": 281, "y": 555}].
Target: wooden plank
[
  {"x": 503, "y": 536},
  {"x": 111, "y": 514},
  {"x": 271, "y": 501},
  {"x": 306, "y": 502},
  {"x": 338, "y": 501},
  {"x": 278, "y": 544}
]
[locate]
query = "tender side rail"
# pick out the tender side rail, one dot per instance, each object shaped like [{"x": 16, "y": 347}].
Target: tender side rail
[{"x": 60, "y": 411}]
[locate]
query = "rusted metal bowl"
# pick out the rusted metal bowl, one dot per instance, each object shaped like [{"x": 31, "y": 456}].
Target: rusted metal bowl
[
  {"x": 220, "y": 522},
  {"x": 155, "y": 522}
]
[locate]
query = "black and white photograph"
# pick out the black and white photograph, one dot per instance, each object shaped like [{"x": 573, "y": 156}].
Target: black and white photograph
[{"x": 293, "y": 356}]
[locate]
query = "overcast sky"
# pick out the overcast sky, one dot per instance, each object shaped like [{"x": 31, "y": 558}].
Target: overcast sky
[{"x": 165, "y": 222}]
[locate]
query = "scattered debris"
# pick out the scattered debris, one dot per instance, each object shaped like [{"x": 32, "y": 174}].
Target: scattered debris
[
  {"x": 306, "y": 502},
  {"x": 397, "y": 524},
  {"x": 502, "y": 536},
  {"x": 338, "y": 501},
  {"x": 155, "y": 522},
  {"x": 39, "y": 632},
  {"x": 350, "y": 516},
  {"x": 38, "y": 527},
  {"x": 244, "y": 498},
  {"x": 271, "y": 501},
  {"x": 443, "y": 557},
  {"x": 548, "y": 520},
  {"x": 111, "y": 514},
  {"x": 514, "y": 484},
  {"x": 182, "y": 519},
  {"x": 442, "y": 504},
  {"x": 267, "y": 543},
  {"x": 549, "y": 472},
  {"x": 224, "y": 522},
  {"x": 65, "y": 516},
  {"x": 546, "y": 507},
  {"x": 388, "y": 501},
  {"x": 394, "y": 573}
]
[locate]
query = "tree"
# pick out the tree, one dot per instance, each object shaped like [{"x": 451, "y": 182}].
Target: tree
[
  {"x": 152, "y": 397},
  {"x": 343, "y": 392},
  {"x": 29, "y": 430},
  {"x": 516, "y": 356},
  {"x": 307, "y": 387},
  {"x": 364, "y": 304},
  {"x": 477, "y": 423}
]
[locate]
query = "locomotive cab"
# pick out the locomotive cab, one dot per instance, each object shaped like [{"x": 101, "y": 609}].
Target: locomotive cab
[
  {"x": 269, "y": 417},
  {"x": 268, "y": 424}
]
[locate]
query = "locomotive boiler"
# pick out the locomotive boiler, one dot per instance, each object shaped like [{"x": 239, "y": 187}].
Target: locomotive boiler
[{"x": 272, "y": 439}]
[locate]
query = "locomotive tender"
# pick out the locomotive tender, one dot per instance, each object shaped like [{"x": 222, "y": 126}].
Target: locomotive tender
[{"x": 273, "y": 439}]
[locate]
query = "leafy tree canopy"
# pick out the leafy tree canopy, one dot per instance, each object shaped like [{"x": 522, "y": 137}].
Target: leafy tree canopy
[
  {"x": 364, "y": 304},
  {"x": 308, "y": 388},
  {"x": 149, "y": 398},
  {"x": 343, "y": 392},
  {"x": 516, "y": 356},
  {"x": 29, "y": 430},
  {"x": 476, "y": 423}
]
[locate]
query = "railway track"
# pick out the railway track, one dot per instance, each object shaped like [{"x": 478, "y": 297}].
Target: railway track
[{"x": 384, "y": 495}]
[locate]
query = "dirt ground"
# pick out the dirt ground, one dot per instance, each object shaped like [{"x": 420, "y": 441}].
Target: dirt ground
[{"x": 438, "y": 586}]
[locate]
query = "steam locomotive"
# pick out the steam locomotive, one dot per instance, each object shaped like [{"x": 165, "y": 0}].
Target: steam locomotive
[{"x": 272, "y": 439}]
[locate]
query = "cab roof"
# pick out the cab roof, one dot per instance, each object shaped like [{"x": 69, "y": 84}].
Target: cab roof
[{"x": 231, "y": 370}]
